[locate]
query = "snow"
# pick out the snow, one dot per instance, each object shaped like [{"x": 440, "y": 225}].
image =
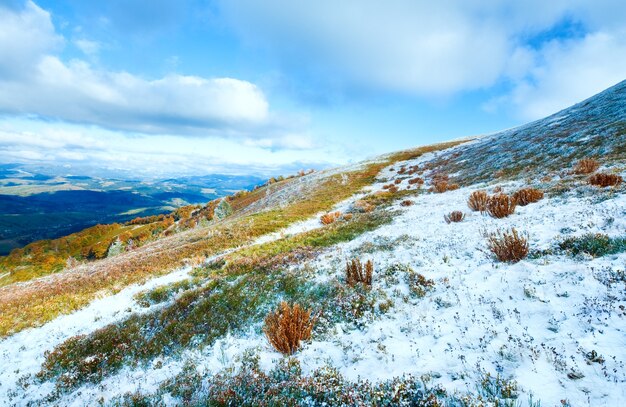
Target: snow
[{"x": 535, "y": 321}]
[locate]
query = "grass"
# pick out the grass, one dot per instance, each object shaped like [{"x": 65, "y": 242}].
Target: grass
[{"x": 594, "y": 244}]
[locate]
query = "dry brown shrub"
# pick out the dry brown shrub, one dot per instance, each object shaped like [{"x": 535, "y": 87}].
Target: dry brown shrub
[
  {"x": 398, "y": 181},
  {"x": 500, "y": 205},
  {"x": 454, "y": 216},
  {"x": 443, "y": 186},
  {"x": 357, "y": 273},
  {"x": 416, "y": 180},
  {"x": 478, "y": 201},
  {"x": 546, "y": 178},
  {"x": 329, "y": 218},
  {"x": 402, "y": 170},
  {"x": 508, "y": 246},
  {"x": 526, "y": 196},
  {"x": 586, "y": 166},
  {"x": 603, "y": 179},
  {"x": 287, "y": 326},
  {"x": 346, "y": 216},
  {"x": 363, "y": 206},
  {"x": 406, "y": 202},
  {"x": 393, "y": 189},
  {"x": 387, "y": 186},
  {"x": 497, "y": 189}
]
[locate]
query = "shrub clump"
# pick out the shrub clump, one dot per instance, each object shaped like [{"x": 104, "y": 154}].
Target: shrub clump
[
  {"x": 418, "y": 284},
  {"x": 603, "y": 179},
  {"x": 406, "y": 202},
  {"x": 286, "y": 327},
  {"x": 357, "y": 273},
  {"x": 443, "y": 186},
  {"x": 526, "y": 196},
  {"x": 478, "y": 201},
  {"x": 593, "y": 244},
  {"x": 329, "y": 218},
  {"x": 501, "y": 205},
  {"x": 508, "y": 246},
  {"x": 454, "y": 216},
  {"x": 586, "y": 166}
]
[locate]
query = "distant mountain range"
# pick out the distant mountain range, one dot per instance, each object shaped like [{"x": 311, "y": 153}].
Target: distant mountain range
[{"x": 35, "y": 206}]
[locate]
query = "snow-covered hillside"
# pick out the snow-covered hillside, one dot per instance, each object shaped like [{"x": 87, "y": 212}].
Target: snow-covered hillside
[{"x": 443, "y": 323}]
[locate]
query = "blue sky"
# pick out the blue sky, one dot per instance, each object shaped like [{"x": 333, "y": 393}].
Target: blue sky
[{"x": 166, "y": 87}]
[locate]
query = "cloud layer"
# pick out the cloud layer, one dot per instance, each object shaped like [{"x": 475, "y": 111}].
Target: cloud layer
[
  {"x": 34, "y": 80},
  {"x": 434, "y": 49}
]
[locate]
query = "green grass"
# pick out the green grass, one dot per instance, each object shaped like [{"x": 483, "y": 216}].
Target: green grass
[{"x": 593, "y": 244}]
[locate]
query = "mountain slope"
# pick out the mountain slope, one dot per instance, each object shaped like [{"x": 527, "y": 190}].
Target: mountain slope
[{"x": 443, "y": 323}]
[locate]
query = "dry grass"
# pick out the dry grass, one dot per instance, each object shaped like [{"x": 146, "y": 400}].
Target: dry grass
[
  {"x": 603, "y": 179},
  {"x": 363, "y": 206},
  {"x": 454, "y": 216},
  {"x": 443, "y": 186},
  {"x": 500, "y": 205},
  {"x": 329, "y": 218},
  {"x": 478, "y": 201},
  {"x": 286, "y": 327},
  {"x": 526, "y": 196},
  {"x": 586, "y": 166},
  {"x": 416, "y": 180},
  {"x": 357, "y": 273},
  {"x": 406, "y": 202},
  {"x": 508, "y": 246}
]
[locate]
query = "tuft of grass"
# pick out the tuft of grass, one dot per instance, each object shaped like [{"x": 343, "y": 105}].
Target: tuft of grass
[
  {"x": 454, "y": 216},
  {"x": 508, "y": 245},
  {"x": 527, "y": 196},
  {"x": 586, "y": 166},
  {"x": 594, "y": 244},
  {"x": 477, "y": 201},
  {"x": 605, "y": 180},
  {"x": 330, "y": 217},
  {"x": 501, "y": 205},
  {"x": 357, "y": 273},
  {"x": 287, "y": 327}
]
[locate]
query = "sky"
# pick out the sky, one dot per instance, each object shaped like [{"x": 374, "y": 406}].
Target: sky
[{"x": 175, "y": 87}]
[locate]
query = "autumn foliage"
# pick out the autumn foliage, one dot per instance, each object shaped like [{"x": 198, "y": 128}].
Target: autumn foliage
[
  {"x": 356, "y": 272},
  {"x": 508, "y": 246},
  {"x": 286, "y": 327}
]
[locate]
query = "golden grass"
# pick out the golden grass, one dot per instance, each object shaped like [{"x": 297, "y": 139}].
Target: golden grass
[
  {"x": 330, "y": 217},
  {"x": 287, "y": 327},
  {"x": 39, "y": 301}
]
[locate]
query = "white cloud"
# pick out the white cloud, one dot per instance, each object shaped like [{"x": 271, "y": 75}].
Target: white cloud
[
  {"x": 566, "y": 73},
  {"x": 89, "y": 48},
  {"x": 33, "y": 80}
]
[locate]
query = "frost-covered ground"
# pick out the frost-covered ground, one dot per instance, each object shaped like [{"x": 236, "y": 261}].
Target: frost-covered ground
[{"x": 556, "y": 324}]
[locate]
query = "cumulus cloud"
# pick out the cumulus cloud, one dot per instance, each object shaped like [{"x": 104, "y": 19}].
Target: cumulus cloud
[
  {"x": 433, "y": 49},
  {"x": 33, "y": 80}
]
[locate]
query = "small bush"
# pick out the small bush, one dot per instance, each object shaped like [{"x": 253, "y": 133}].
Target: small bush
[
  {"x": 443, "y": 186},
  {"x": 362, "y": 206},
  {"x": 508, "y": 246},
  {"x": 393, "y": 189},
  {"x": 416, "y": 180},
  {"x": 406, "y": 202},
  {"x": 287, "y": 326},
  {"x": 398, "y": 181},
  {"x": 526, "y": 196},
  {"x": 329, "y": 218},
  {"x": 418, "y": 284},
  {"x": 478, "y": 201},
  {"x": 500, "y": 205},
  {"x": 605, "y": 180},
  {"x": 594, "y": 244},
  {"x": 586, "y": 166},
  {"x": 454, "y": 216},
  {"x": 356, "y": 273}
]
